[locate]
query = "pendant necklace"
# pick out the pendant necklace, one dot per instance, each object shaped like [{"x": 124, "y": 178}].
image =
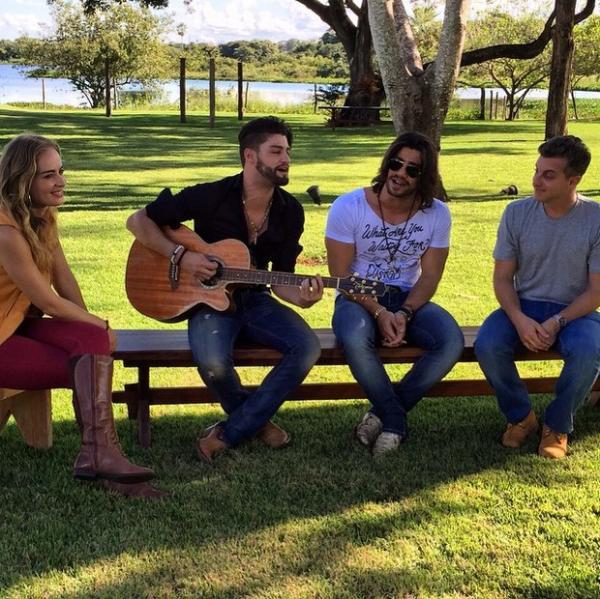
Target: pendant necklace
[
  {"x": 255, "y": 229},
  {"x": 392, "y": 252}
]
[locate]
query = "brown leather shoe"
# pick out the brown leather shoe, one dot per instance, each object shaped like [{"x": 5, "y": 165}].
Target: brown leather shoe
[
  {"x": 211, "y": 445},
  {"x": 553, "y": 445},
  {"x": 273, "y": 436},
  {"x": 516, "y": 434}
]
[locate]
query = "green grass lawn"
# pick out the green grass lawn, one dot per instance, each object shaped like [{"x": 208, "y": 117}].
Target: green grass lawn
[{"x": 452, "y": 514}]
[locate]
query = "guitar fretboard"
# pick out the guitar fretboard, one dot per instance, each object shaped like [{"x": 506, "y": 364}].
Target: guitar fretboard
[{"x": 266, "y": 277}]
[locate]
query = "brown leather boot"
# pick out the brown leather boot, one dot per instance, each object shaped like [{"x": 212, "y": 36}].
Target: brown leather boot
[
  {"x": 553, "y": 445},
  {"x": 211, "y": 445},
  {"x": 516, "y": 434},
  {"x": 100, "y": 455},
  {"x": 273, "y": 436}
]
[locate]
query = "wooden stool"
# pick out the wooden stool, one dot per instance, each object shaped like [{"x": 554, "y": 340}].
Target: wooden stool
[{"x": 32, "y": 411}]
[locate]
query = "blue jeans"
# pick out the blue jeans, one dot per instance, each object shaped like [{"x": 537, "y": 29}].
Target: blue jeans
[
  {"x": 259, "y": 318},
  {"x": 578, "y": 343},
  {"x": 432, "y": 329}
]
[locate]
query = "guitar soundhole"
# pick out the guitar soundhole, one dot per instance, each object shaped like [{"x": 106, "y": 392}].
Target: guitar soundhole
[{"x": 215, "y": 280}]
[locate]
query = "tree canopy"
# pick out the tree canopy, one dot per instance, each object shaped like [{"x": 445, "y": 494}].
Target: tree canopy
[{"x": 79, "y": 45}]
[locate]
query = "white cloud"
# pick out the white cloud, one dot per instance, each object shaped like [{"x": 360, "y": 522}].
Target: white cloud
[
  {"x": 219, "y": 21},
  {"x": 15, "y": 25},
  {"x": 211, "y": 21}
]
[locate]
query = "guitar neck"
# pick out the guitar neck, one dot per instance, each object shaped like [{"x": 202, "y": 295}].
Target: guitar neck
[{"x": 266, "y": 277}]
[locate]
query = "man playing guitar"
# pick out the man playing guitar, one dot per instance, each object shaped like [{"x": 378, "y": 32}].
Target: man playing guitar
[{"x": 253, "y": 208}]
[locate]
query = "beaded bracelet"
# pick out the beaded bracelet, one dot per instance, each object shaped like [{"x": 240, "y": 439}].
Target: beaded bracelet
[{"x": 378, "y": 312}]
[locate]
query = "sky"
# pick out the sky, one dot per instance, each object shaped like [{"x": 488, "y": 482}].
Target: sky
[
  {"x": 213, "y": 21},
  {"x": 218, "y": 21}
]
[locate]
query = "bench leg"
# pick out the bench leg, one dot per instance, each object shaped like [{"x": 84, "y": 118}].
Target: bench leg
[
  {"x": 143, "y": 408},
  {"x": 32, "y": 411},
  {"x": 594, "y": 398}
]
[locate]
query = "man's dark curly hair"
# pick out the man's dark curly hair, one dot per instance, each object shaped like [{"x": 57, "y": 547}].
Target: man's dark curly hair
[
  {"x": 576, "y": 153},
  {"x": 256, "y": 132},
  {"x": 429, "y": 165}
]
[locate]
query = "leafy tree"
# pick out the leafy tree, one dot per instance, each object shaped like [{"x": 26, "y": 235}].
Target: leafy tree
[
  {"x": 80, "y": 44},
  {"x": 257, "y": 51},
  {"x": 419, "y": 93},
  {"x": 586, "y": 58},
  {"x": 515, "y": 77}
]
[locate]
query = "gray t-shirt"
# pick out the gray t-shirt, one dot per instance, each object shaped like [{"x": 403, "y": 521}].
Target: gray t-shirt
[{"x": 554, "y": 255}]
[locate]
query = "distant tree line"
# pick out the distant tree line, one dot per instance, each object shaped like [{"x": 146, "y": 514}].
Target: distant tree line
[
  {"x": 316, "y": 60},
  {"x": 79, "y": 43}
]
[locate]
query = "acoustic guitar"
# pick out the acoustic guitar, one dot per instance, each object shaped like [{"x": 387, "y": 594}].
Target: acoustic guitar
[{"x": 150, "y": 289}]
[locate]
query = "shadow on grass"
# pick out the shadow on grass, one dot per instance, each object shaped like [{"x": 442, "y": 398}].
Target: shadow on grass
[{"x": 260, "y": 517}]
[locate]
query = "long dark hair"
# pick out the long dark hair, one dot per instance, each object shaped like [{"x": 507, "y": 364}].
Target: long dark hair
[{"x": 429, "y": 165}]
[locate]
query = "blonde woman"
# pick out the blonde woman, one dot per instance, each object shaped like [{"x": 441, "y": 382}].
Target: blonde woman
[{"x": 69, "y": 348}]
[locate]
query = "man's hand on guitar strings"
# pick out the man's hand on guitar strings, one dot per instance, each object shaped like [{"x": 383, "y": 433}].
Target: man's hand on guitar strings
[
  {"x": 200, "y": 264},
  {"x": 311, "y": 290}
]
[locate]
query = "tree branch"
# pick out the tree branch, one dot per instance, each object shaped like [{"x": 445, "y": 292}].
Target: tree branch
[
  {"x": 321, "y": 10},
  {"x": 353, "y": 7},
  {"x": 522, "y": 51}
]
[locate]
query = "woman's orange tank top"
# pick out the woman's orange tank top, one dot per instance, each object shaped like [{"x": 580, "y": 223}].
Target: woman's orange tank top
[{"x": 13, "y": 302}]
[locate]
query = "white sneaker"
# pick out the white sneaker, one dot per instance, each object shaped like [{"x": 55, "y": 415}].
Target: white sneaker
[
  {"x": 368, "y": 429},
  {"x": 385, "y": 443}
]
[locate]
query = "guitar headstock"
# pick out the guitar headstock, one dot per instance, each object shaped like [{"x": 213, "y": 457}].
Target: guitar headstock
[{"x": 357, "y": 285}]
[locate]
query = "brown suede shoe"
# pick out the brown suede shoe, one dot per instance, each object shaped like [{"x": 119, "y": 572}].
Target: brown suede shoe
[
  {"x": 212, "y": 445},
  {"x": 553, "y": 445},
  {"x": 516, "y": 434},
  {"x": 273, "y": 436}
]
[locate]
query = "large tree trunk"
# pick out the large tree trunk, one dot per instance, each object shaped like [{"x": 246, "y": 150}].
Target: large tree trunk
[
  {"x": 419, "y": 98},
  {"x": 560, "y": 72},
  {"x": 365, "y": 87}
]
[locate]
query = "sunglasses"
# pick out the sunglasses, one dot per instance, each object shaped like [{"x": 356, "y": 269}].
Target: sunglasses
[{"x": 412, "y": 170}]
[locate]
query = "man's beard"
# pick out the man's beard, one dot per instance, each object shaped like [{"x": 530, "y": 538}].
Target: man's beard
[
  {"x": 405, "y": 193},
  {"x": 270, "y": 174}
]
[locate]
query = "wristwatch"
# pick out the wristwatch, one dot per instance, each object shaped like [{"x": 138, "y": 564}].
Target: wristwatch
[{"x": 561, "y": 320}]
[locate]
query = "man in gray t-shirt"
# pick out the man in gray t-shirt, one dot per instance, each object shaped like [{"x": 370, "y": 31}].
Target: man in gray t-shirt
[{"x": 547, "y": 281}]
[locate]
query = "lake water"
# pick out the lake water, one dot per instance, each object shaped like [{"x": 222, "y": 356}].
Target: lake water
[{"x": 16, "y": 87}]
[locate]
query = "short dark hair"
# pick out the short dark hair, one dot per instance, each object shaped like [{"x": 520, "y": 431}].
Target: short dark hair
[
  {"x": 428, "y": 178},
  {"x": 576, "y": 153},
  {"x": 256, "y": 132}
]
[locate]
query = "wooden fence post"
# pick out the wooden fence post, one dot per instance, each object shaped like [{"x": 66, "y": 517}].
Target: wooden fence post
[
  {"x": 182, "y": 114},
  {"x": 211, "y": 93}
]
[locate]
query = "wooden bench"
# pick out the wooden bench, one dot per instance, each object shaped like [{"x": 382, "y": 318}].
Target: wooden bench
[
  {"x": 353, "y": 115},
  {"x": 147, "y": 349},
  {"x": 32, "y": 411}
]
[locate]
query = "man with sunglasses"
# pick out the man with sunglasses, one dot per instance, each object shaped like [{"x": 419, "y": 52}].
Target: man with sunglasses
[
  {"x": 396, "y": 231},
  {"x": 547, "y": 282}
]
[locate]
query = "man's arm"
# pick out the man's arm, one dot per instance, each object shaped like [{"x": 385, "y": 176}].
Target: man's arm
[
  {"x": 583, "y": 304},
  {"x": 148, "y": 233},
  {"x": 339, "y": 259},
  {"x": 433, "y": 262},
  {"x": 532, "y": 334}
]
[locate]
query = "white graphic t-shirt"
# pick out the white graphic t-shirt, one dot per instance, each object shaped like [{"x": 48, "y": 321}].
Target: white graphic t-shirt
[{"x": 392, "y": 255}]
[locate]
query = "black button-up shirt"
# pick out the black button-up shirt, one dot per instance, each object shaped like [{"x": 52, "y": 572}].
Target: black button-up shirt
[{"x": 218, "y": 213}]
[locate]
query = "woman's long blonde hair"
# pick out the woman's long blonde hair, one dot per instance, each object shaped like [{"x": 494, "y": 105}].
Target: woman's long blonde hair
[{"x": 18, "y": 167}]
